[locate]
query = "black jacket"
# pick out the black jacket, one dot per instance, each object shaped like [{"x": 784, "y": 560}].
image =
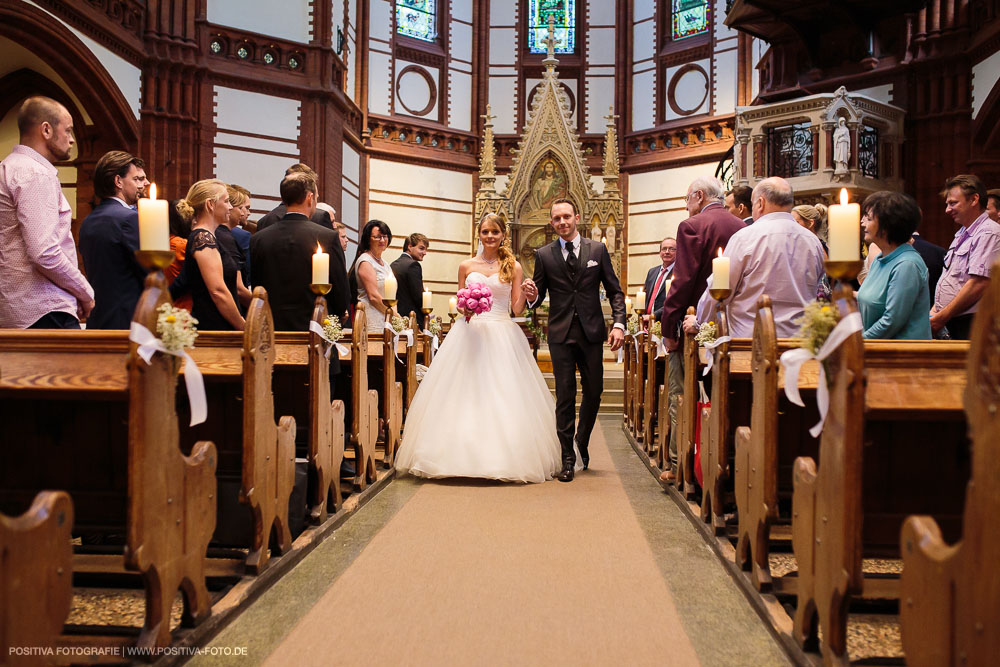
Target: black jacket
[
  {"x": 410, "y": 276},
  {"x": 579, "y": 294},
  {"x": 109, "y": 237},
  {"x": 319, "y": 216},
  {"x": 661, "y": 296},
  {"x": 282, "y": 264},
  {"x": 933, "y": 256}
]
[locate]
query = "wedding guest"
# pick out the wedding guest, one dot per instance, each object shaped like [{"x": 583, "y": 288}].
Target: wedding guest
[
  {"x": 993, "y": 204},
  {"x": 970, "y": 256},
  {"x": 813, "y": 218},
  {"x": 656, "y": 284},
  {"x": 319, "y": 216},
  {"x": 109, "y": 238},
  {"x": 208, "y": 272},
  {"x": 410, "y": 275},
  {"x": 227, "y": 246},
  {"x": 894, "y": 300},
  {"x": 330, "y": 211},
  {"x": 41, "y": 286},
  {"x": 369, "y": 271},
  {"x": 342, "y": 230},
  {"x": 774, "y": 256},
  {"x": 738, "y": 203},
  {"x": 239, "y": 197},
  {"x": 180, "y": 230},
  {"x": 933, "y": 256}
]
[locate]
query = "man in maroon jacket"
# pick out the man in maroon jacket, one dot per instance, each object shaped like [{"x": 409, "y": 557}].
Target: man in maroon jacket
[{"x": 699, "y": 239}]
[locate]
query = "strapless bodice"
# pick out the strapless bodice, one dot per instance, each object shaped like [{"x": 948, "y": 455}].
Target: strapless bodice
[{"x": 501, "y": 294}]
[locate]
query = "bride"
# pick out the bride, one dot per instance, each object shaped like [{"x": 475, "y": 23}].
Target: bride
[{"x": 483, "y": 409}]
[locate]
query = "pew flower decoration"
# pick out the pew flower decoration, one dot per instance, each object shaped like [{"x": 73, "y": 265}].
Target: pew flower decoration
[
  {"x": 332, "y": 329},
  {"x": 176, "y": 328},
  {"x": 656, "y": 329},
  {"x": 632, "y": 326},
  {"x": 816, "y": 323},
  {"x": 434, "y": 326},
  {"x": 707, "y": 333},
  {"x": 397, "y": 323}
]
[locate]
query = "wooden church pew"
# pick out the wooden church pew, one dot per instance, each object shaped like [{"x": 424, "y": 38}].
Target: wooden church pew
[
  {"x": 36, "y": 580},
  {"x": 687, "y": 406},
  {"x": 627, "y": 344},
  {"x": 894, "y": 440},
  {"x": 637, "y": 391},
  {"x": 651, "y": 396},
  {"x": 951, "y": 591},
  {"x": 364, "y": 411},
  {"x": 92, "y": 418}
]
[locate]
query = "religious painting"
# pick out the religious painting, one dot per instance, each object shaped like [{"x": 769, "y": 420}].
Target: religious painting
[
  {"x": 417, "y": 19},
  {"x": 690, "y": 18},
  {"x": 563, "y": 12},
  {"x": 548, "y": 183}
]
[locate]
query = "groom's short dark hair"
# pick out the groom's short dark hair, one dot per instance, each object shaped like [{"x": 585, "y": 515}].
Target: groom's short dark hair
[{"x": 562, "y": 201}]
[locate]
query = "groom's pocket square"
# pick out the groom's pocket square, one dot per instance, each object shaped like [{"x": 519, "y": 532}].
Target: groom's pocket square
[{"x": 591, "y": 263}]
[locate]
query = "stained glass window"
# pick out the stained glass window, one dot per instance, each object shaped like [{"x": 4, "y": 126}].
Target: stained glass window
[
  {"x": 564, "y": 13},
  {"x": 690, "y": 18},
  {"x": 416, "y": 18}
]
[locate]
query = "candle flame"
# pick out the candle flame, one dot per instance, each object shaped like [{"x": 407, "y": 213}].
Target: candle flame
[
  {"x": 604, "y": 240},
  {"x": 319, "y": 248},
  {"x": 720, "y": 252},
  {"x": 843, "y": 197},
  {"x": 152, "y": 190}
]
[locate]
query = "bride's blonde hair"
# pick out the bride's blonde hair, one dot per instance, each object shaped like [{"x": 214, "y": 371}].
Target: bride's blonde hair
[{"x": 505, "y": 254}]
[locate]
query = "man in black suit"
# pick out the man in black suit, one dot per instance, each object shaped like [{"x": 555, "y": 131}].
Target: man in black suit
[
  {"x": 318, "y": 215},
  {"x": 933, "y": 256},
  {"x": 656, "y": 285},
  {"x": 282, "y": 261},
  {"x": 738, "y": 202},
  {"x": 572, "y": 269},
  {"x": 410, "y": 276},
  {"x": 109, "y": 237}
]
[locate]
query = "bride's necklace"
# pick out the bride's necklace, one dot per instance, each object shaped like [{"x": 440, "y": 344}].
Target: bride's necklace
[{"x": 489, "y": 262}]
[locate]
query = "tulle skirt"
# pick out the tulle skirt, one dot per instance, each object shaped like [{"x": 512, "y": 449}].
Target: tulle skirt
[{"x": 482, "y": 409}]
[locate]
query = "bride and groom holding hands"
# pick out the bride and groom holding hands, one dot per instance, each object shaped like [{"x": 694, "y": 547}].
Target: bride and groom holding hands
[{"x": 483, "y": 408}]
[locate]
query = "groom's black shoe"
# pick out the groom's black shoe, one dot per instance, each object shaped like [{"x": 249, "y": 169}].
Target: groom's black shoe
[
  {"x": 584, "y": 454},
  {"x": 566, "y": 474}
]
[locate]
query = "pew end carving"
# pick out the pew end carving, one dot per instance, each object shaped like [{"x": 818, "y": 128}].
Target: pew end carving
[
  {"x": 36, "y": 580},
  {"x": 411, "y": 363},
  {"x": 171, "y": 497},
  {"x": 326, "y": 427},
  {"x": 650, "y": 399},
  {"x": 268, "y": 448},
  {"x": 950, "y": 595},
  {"x": 687, "y": 414},
  {"x": 392, "y": 406},
  {"x": 715, "y": 435},
  {"x": 364, "y": 421}
]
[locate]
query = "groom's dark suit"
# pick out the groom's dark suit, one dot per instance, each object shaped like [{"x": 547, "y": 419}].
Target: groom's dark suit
[{"x": 577, "y": 332}]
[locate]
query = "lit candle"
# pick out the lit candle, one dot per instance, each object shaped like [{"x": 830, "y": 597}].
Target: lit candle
[
  {"x": 720, "y": 272},
  {"x": 389, "y": 287},
  {"x": 321, "y": 267},
  {"x": 640, "y": 298},
  {"x": 604, "y": 240},
  {"x": 453, "y": 306},
  {"x": 845, "y": 223},
  {"x": 154, "y": 223},
  {"x": 427, "y": 299},
  {"x": 628, "y": 305}
]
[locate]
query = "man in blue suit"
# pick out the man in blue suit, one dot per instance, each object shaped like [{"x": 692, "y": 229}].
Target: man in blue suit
[{"x": 109, "y": 237}]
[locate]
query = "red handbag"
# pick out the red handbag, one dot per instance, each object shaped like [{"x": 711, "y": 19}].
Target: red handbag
[{"x": 703, "y": 403}]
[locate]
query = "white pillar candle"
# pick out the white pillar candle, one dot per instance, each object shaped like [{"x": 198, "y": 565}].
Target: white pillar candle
[
  {"x": 389, "y": 287},
  {"x": 154, "y": 222},
  {"x": 640, "y": 298},
  {"x": 628, "y": 305},
  {"x": 844, "y": 230},
  {"x": 720, "y": 272},
  {"x": 452, "y": 306},
  {"x": 321, "y": 267},
  {"x": 427, "y": 299}
]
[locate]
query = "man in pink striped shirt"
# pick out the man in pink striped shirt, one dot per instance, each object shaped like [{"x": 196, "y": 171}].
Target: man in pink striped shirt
[{"x": 42, "y": 287}]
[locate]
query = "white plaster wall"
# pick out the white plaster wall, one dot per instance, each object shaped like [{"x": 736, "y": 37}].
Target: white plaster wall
[
  {"x": 350, "y": 54},
  {"x": 290, "y": 19},
  {"x": 643, "y": 9},
  {"x": 601, "y": 12},
  {"x": 643, "y": 98},
  {"x": 504, "y": 12},
  {"x": 382, "y": 20},
  {"x": 245, "y": 111},
  {"x": 601, "y": 46},
  {"x": 502, "y": 92},
  {"x": 690, "y": 88},
  {"x": 880, "y": 93},
  {"x": 984, "y": 76},
  {"x": 415, "y": 91},
  {"x": 726, "y": 67},
  {"x": 503, "y": 46},
  {"x": 350, "y": 202},
  {"x": 460, "y": 101},
  {"x": 600, "y": 97},
  {"x": 434, "y": 202},
  {"x": 379, "y": 82},
  {"x": 461, "y": 10}
]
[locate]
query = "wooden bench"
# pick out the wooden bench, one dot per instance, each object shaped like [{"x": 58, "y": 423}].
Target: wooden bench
[
  {"x": 894, "y": 442},
  {"x": 113, "y": 447},
  {"x": 651, "y": 397},
  {"x": 364, "y": 410},
  {"x": 950, "y": 609},
  {"x": 687, "y": 412},
  {"x": 36, "y": 580}
]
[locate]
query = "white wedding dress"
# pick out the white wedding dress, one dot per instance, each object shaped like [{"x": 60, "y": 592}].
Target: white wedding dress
[{"x": 483, "y": 409}]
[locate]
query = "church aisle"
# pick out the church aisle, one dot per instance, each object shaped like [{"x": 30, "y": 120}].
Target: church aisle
[{"x": 600, "y": 571}]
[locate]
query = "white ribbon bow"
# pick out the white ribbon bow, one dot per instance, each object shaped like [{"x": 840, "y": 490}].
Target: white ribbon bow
[
  {"x": 317, "y": 329},
  {"x": 435, "y": 342},
  {"x": 621, "y": 355},
  {"x": 711, "y": 357},
  {"x": 792, "y": 360},
  {"x": 150, "y": 344},
  {"x": 661, "y": 350},
  {"x": 396, "y": 336}
]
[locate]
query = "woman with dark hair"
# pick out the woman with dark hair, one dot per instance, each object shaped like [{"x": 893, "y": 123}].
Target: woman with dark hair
[
  {"x": 369, "y": 271},
  {"x": 180, "y": 229},
  {"x": 894, "y": 299}
]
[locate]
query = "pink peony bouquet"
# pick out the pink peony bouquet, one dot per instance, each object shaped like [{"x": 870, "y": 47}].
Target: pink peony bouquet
[{"x": 476, "y": 298}]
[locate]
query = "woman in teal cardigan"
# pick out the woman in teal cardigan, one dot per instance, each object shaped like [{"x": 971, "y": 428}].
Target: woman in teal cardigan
[{"x": 894, "y": 299}]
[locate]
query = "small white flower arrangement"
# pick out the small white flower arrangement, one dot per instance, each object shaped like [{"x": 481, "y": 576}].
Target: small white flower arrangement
[
  {"x": 176, "y": 328},
  {"x": 332, "y": 329},
  {"x": 398, "y": 323},
  {"x": 633, "y": 325},
  {"x": 707, "y": 333},
  {"x": 434, "y": 326},
  {"x": 656, "y": 329}
]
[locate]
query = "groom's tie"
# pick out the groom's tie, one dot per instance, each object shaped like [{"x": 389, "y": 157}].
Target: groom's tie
[{"x": 571, "y": 260}]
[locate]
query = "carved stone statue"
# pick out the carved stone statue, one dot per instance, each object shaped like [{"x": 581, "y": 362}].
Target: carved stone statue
[
  {"x": 611, "y": 238},
  {"x": 595, "y": 233},
  {"x": 841, "y": 149}
]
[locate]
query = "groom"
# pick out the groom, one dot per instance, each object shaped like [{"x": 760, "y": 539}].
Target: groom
[{"x": 572, "y": 269}]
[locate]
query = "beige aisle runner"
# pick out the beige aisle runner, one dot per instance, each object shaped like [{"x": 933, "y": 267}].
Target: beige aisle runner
[{"x": 473, "y": 572}]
